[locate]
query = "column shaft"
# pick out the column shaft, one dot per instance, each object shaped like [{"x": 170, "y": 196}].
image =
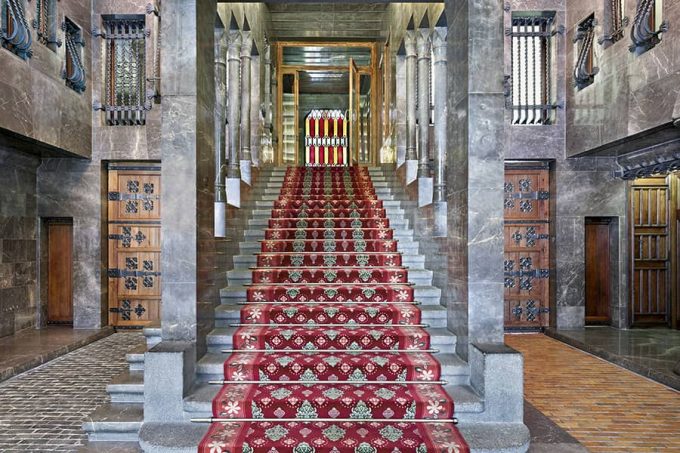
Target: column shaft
[
  {"x": 411, "y": 61},
  {"x": 424, "y": 61},
  {"x": 246, "y": 46},
  {"x": 440, "y": 112},
  {"x": 234, "y": 105},
  {"x": 220, "y": 114}
]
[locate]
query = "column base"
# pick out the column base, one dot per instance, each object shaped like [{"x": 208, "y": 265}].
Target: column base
[
  {"x": 425, "y": 191},
  {"x": 411, "y": 171},
  {"x": 246, "y": 173},
  {"x": 234, "y": 192},
  {"x": 440, "y": 228},
  {"x": 220, "y": 219}
]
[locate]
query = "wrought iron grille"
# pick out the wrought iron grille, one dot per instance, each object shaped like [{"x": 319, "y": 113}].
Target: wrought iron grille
[
  {"x": 44, "y": 22},
  {"x": 15, "y": 34},
  {"x": 74, "y": 70},
  {"x": 584, "y": 70},
  {"x": 126, "y": 101},
  {"x": 530, "y": 82},
  {"x": 646, "y": 30},
  {"x": 617, "y": 21}
]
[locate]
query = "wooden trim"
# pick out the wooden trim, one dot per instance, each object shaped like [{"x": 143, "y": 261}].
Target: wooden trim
[{"x": 673, "y": 223}]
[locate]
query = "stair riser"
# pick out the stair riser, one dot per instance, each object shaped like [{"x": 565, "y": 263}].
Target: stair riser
[
  {"x": 137, "y": 397},
  {"x": 410, "y": 261},
  {"x": 431, "y": 321},
  {"x": 104, "y": 436}
]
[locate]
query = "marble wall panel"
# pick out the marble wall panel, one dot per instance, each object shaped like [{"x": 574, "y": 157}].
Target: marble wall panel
[
  {"x": 35, "y": 101},
  {"x": 18, "y": 241}
]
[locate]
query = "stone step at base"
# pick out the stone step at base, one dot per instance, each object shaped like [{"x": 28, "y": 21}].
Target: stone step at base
[
  {"x": 410, "y": 261},
  {"x": 127, "y": 387},
  {"x": 428, "y": 295},
  {"x": 153, "y": 336},
  {"x": 260, "y": 204},
  {"x": 481, "y": 437},
  {"x": 135, "y": 358},
  {"x": 454, "y": 370},
  {"x": 110, "y": 447},
  {"x": 115, "y": 422},
  {"x": 222, "y": 338},
  {"x": 226, "y": 314},
  {"x": 421, "y": 277}
]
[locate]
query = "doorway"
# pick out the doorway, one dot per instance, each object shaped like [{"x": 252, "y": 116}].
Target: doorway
[
  {"x": 598, "y": 270},
  {"x": 60, "y": 271}
]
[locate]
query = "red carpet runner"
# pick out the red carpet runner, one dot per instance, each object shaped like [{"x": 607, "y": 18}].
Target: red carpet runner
[{"x": 330, "y": 279}]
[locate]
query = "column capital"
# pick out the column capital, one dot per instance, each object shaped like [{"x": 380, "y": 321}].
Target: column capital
[
  {"x": 220, "y": 48},
  {"x": 246, "y": 43},
  {"x": 423, "y": 42},
  {"x": 234, "y": 45},
  {"x": 439, "y": 44},
  {"x": 410, "y": 43}
]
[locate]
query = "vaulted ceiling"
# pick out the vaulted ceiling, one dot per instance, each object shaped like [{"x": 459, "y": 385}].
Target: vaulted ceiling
[{"x": 341, "y": 21}]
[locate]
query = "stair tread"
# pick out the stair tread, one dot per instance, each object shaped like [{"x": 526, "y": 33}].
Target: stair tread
[
  {"x": 127, "y": 379},
  {"x": 115, "y": 417}
]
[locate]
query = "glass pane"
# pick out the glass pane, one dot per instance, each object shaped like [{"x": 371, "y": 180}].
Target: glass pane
[{"x": 326, "y": 56}]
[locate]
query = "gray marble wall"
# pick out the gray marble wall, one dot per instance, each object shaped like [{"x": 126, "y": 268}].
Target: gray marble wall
[
  {"x": 474, "y": 295},
  {"x": 77, "y": 188},
  {"x": 631, "y": 93},
  {"x": 35, "y": 102},
  {"x": 581, "y": 187},
  {"x": 18, "y": 241}
]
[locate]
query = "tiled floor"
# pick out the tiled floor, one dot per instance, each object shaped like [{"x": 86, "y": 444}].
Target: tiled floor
[
  {"x": 650, "y": 352},
  {"x": 33, "y": 347},
  {"x": 44, "y": 408},
  {"x": 606, "y": 408}
]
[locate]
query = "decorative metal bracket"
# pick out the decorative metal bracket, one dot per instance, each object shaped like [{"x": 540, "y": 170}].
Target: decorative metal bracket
[
  {"x": 614, "y": 35},
  {"x": 642, "y": 35},
  {"x": 585, "y": 32},
  {"x": 151, "y": 9},
  {"x": 98, "y": 33}
]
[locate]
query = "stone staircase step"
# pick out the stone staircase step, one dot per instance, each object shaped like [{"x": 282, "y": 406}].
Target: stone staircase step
[
  {"x": 153, "y": 336},
  {"x": 115, "y": 422},
  {"x": 454, "y": 370},
  {"x": 135, "y": 358},
  {"x": 264, "y": 223},
  {"x": 245, "y": 261},
  {"x": 498, "y": 437},
  {"x": 171, "y": 437},
  {"x": 225, "y": 314},
  {"x": 421, "y": 277},
  {"x": 110, "y": 447},
  {"x": 222, "y": 338},
  {"x": 127, "y": 387}
]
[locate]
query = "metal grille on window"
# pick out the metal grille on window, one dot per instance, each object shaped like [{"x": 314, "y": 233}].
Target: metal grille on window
[
  {"x": 617, "y": 21},
  {"x": 74, "y": 70},
  {"x": 647, "y": 26},
  {"x": 531, "y": 75},
  {"x": 45, "y": 16},
  {"x": 584, "y": 70},
  {"x": 125, "y": 74},
  {"x": 14, "y": 34}
]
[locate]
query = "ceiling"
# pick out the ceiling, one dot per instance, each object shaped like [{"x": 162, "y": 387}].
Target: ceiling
[
  {"x": 326, "y": 56},
  {"x": 349, "y": 21}
]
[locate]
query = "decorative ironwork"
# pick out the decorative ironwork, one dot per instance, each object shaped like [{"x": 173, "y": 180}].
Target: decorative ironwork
[
  {"x": 509, "y": 203},
  {"x": 525, "y": 263},
  {"x": 529, "y": 86},
  {"x": 74, "y": 69},
  {"x": 617, "y": 22},
  {"x": 508, "y": 265},
  {"x": 126, "y": 101},
  {"x": 139, "y": 310},
  {"x": 517, "y": 311},
  {"x": 131, "y": 263},
  {"x": 131, "y": 207},
  {"x": 584, "y": 71},
  {"x": 147, "y": 205},
  {"x": 148, "y": 188},
  {"x": 509, "y": 282},
  {"x": 530, "y": 236},
  {"x": 508, "y": 187},
  {"x": 45, "y": 22},
  {"x": 525, "y": 284},
  {"x": 133, "y": 186},
  {"x": 131, "y": 283},
  {"x": 140, "y": 237},
  {"x": 644, "y": 169},
  {"x": 14, "y": 32},
  {"x": 147, "y": 282},
  {"x": 526, "y": 206},
  {"x": 148, "y": 265},
  {"x": 125, "y": 310},
  {"x": 645, "y": 34}
]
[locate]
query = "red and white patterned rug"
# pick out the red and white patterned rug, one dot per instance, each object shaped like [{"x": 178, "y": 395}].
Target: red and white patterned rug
[{"x": 332, "y": 355}]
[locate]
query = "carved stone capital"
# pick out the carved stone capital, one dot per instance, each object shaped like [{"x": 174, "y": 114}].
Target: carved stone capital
[{"x": 410, "y": 43}]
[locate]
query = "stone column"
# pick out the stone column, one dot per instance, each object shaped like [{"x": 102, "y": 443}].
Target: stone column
[
  {"x": 220, "y": 115},
  {"x": 424, "y": 61},
  {"x": 475, "y": 159},
  {"x": 234, "y": 114},
  {"x": 400, "y": 107},
  {"x": 233, "y": 102},
  {"x": 246, "y": 159},
  {"x": 411, "y": 151},
  {"x": 439, "y": 79},
  {"x": 267, "y": 150}
]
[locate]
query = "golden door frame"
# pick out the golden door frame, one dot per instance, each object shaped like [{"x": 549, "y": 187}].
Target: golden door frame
[{"x": 281, "y": 70}]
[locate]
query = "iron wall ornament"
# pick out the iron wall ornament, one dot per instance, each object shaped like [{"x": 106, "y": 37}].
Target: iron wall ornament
[
  {"x": 14, "y": 32},
  {"x": 644, "y": 32},
  {"x": 643, "y": 170},
  {"x": 584, "y": 71},
  {"x": 617, "y": 23},
  {"x": 74, "y": 69}
]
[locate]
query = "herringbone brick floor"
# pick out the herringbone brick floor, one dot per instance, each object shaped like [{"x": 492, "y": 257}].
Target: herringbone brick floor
[
  {"x": 43, "y": 409},
  {"x": 605, "y": 407}
]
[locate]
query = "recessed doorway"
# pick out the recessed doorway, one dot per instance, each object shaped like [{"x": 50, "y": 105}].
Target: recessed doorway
[
  {"x": 598, "y": 270},
  {"x": 59, "y": 271}
]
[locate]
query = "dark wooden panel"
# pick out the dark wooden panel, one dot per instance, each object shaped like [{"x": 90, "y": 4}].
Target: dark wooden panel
[
  {"x": 649, "y": 214},
  {"x": 598, "y": 289},
  {"x": 60, "y": 273}
]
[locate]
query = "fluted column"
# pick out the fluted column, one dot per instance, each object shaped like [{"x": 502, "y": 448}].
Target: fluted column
[
  {"x": 246, "y": 158},
  {"x": 233, "y": 103},
  {"x": 424, "y": 61},
  {"x": 439, "y": 79},
  {"x": 220, "y": 114}
]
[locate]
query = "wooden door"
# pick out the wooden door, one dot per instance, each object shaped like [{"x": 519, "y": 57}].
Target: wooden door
[
  {"x": 59, "y": 272},
  {"x": 598, "y": 289},
  {"x": 134, "y": 230},
  {"x": 353, "y": 116},
  {"x": 649, "y": 214},
  {"x": 527, "y": 245}
]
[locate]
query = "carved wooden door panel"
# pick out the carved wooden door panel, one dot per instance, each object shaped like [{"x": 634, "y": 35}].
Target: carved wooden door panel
[
  {"x": 527, "y": 246},
  {"x": 134, "y": 236},
  {"x": 649, "y": 212}
]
